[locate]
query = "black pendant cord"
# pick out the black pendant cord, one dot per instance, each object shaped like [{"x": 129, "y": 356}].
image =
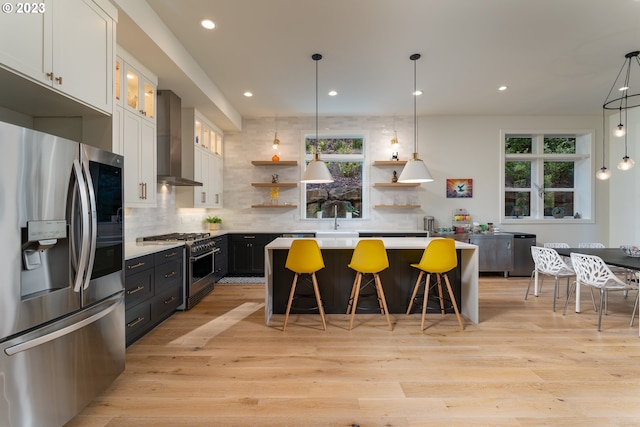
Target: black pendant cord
[
  {"x": 414, "y": 58},
  {"x": 603, "y": 139},
  {"x": 316, "y": 57}
]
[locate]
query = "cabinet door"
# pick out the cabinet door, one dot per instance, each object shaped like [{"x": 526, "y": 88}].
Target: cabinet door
[
  {"x": 216, "y": 180},
  {"x": 83, "y": 52},
  {"x": 118, "y": 129},
  {"x": 23, "y": 48},
  {"x": 139, "y": 139},
  {"x": 201, "y": 195},
  {"x": 148, "y": 163}
]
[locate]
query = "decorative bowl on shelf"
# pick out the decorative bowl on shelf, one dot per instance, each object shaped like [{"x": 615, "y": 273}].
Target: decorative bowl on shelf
[{"x": 631, "y": 250}]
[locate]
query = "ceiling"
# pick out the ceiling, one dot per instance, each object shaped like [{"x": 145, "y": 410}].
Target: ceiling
[{"x": 557, "y": 57}]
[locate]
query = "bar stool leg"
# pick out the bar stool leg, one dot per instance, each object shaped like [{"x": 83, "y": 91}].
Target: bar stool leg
[
  {"x": 415, "y": 291},
  {"x": 355, "y": 293},
  {"x": 440, "y": 293},
  {"x": 453, "y": 300},
  {"x": 382, "y": 299},
  {"x": 425, "y": 300},
  {"x": 353, "y": 290},
  {"x": 293, "y": 291},
  {"x": 318, "y": 299}
]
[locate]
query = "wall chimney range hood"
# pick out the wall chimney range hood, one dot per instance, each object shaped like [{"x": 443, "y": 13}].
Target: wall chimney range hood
[{"x": 169, "y": 122}]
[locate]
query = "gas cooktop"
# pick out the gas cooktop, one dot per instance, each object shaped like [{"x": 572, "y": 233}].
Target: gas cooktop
[{"x": 176, "y": 237}]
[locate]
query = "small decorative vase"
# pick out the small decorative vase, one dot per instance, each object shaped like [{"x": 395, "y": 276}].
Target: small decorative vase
[
  {"x": 319, "y": 214},
  {"x": 275, "y": 158},
  {"x": 214, "y": 226},
  {"x": 349, "y": 214}
]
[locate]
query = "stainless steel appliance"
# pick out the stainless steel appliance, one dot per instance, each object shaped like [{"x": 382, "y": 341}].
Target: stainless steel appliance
[
  {"x": 522, "y": 261},
  {"x": 200, "y": 252},
  {"x": 62, "y": 338}
]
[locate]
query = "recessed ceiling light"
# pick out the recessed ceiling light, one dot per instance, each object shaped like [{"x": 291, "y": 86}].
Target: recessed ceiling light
[
  {"x": 248, "y": 94},
  {"x": 208, "y": 24},
  {"x": 501, "y": 88},
  {"x": 332, "y": 93}
]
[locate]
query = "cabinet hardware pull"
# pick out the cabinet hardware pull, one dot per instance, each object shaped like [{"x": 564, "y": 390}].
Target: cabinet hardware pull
[
  {"x": 133, "y": 291},
  {"x": 217, "y": 198},
  {"x": 249, "y": 237},
  {"x": 131, "y": 267},
  {"x": 173, "y": 273},
  {"x": 170, "y": 255},
  {"x": 145, "y": 190},
  {"x": 144, "y": 113},
  {"x": 204, "y": 197},
  {"x": 50, "y": 75},
  {"x": 170, "y": 300},
  {"x": 59, "y": 80},
  {"x": 141, "y": 192},
  {"x": 135, "y": 322}
]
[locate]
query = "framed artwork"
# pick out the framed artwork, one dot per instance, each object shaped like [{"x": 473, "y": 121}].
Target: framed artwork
[{"x": 459, "y": 188}]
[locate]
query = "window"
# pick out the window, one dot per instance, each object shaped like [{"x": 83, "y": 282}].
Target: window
[
  {"x": 547, "y": 176},
  {"x": 344, "y": 156}
]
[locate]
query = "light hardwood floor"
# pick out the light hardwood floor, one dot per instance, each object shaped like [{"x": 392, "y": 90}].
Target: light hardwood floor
[{"x": 522, "y": 365}]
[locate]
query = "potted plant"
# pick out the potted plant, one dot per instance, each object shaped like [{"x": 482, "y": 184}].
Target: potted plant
[
  {"x": 351, "y": 210},
  {"x": 318, "y": 211},
  {"x": 557, "y": 212},
  {"x": 214, "y": 222}
]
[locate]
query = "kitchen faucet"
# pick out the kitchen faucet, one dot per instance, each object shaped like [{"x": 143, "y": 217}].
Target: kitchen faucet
[{"x": 335, "y": 217}]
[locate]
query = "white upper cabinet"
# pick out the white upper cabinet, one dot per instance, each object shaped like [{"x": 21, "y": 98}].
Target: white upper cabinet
[{"x": 70, "y": 47}]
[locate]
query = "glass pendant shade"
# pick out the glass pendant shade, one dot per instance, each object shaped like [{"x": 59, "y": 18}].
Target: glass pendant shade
[
  {"x": 619, "y": 131},
  {"x": 415, "y": 171},
  {"x": 317, "y": 172},
  {"x": 626, "y": 163},
  {"x": 603, "y": 174}
]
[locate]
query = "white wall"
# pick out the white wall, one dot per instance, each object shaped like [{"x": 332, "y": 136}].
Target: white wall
[
  {"x": 452, "y": 147},
  {"x": 624, "y": 187}
]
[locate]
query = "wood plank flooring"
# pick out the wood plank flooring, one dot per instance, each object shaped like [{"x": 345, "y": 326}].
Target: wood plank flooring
[{"x": 522, "y": 365}]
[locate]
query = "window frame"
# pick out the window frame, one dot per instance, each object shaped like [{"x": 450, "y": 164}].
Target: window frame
[
  {"x": 584, "y": 175},
  {"x": 362, "y": 157}
]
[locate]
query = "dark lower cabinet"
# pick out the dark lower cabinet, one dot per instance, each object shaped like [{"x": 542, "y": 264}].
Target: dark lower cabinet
[
  {"x": 221, "y": 258},
  {"x": 153, "y": 290},
  {"x": 336, "y": 279},
  {"x": 246, "y": 253}
]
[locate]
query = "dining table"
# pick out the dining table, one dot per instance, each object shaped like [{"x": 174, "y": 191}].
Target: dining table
[{"x": 611, "y": 256}]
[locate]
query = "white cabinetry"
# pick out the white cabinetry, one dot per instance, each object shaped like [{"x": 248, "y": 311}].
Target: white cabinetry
[
  {"x": 136, "y": 138},
  {"x": 69, "y": 47},
  {"x": 202, "y": 142}
]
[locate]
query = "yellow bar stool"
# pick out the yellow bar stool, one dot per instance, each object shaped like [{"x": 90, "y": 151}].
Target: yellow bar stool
[
  {"x": 439, "y": 257},
  {"x": 304, "y": 257},
  {"x": 369, "y": 257}
]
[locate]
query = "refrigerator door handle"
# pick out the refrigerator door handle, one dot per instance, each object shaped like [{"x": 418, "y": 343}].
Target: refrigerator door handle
[
  {"x": 84, "y": 212},
  {"x": 27, "y": 345},
  {"x": 93, "y": 224}
]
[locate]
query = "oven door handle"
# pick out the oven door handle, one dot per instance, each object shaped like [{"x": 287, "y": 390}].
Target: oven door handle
[{"x": 192, "y": 259}]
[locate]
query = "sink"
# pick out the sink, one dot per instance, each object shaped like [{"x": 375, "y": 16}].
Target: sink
[{"x": 337, "y": 234}]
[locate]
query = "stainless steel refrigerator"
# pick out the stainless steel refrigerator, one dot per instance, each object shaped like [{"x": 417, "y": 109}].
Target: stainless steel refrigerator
[{"x": 62, "y": 335}]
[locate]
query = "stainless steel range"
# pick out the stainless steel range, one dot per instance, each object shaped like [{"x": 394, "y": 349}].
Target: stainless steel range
[{"x": 200, "y": 250}]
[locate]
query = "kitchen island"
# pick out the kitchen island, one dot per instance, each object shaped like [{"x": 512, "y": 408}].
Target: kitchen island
[{"x": 336, "y": 279}]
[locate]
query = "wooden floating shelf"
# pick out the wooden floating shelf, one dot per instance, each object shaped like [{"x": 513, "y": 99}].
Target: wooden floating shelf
[
  {"x": 396, "y": 184},
  {"x": 389, "y": 162},
  {"x": 272, "y": 163},
  {"x": 273, "y": 206},
  {"x": 274, "y": 184},
  {"x": 397, "y": 206}
]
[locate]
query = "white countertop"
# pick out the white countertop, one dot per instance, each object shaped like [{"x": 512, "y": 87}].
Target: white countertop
[
  {"x": 350, "y": 243},
  {"x": 138, "y": 249}
]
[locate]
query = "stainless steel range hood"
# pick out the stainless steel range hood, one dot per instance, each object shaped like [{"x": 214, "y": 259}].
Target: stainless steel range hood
[{"x": 169, "y": 121}]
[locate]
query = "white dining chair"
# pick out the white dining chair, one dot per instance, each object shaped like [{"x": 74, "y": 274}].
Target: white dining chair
[
  {"x": 617, "y": 270},
  {"x": 592, "y": 271},
  {"x": 548, "y": 262}
]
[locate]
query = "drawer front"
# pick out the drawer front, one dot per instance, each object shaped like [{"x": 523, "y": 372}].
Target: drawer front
[
  {"x": 138, "y": 287},
  {"x": 168, "y": 274},
  {"x": 168, "y": 255},
  {"x": 165, "y": 303},
  {"x": 135, "y": 265},
  {"x": 137, "y": 321}
]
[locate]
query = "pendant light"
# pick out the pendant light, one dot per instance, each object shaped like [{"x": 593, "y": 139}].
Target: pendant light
[
  {"x": 624, "y": 102},
  {"x": 316, "y": 171},
  {"x": 415, "y": 170},
  {"x": 603, "y": 173}
]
